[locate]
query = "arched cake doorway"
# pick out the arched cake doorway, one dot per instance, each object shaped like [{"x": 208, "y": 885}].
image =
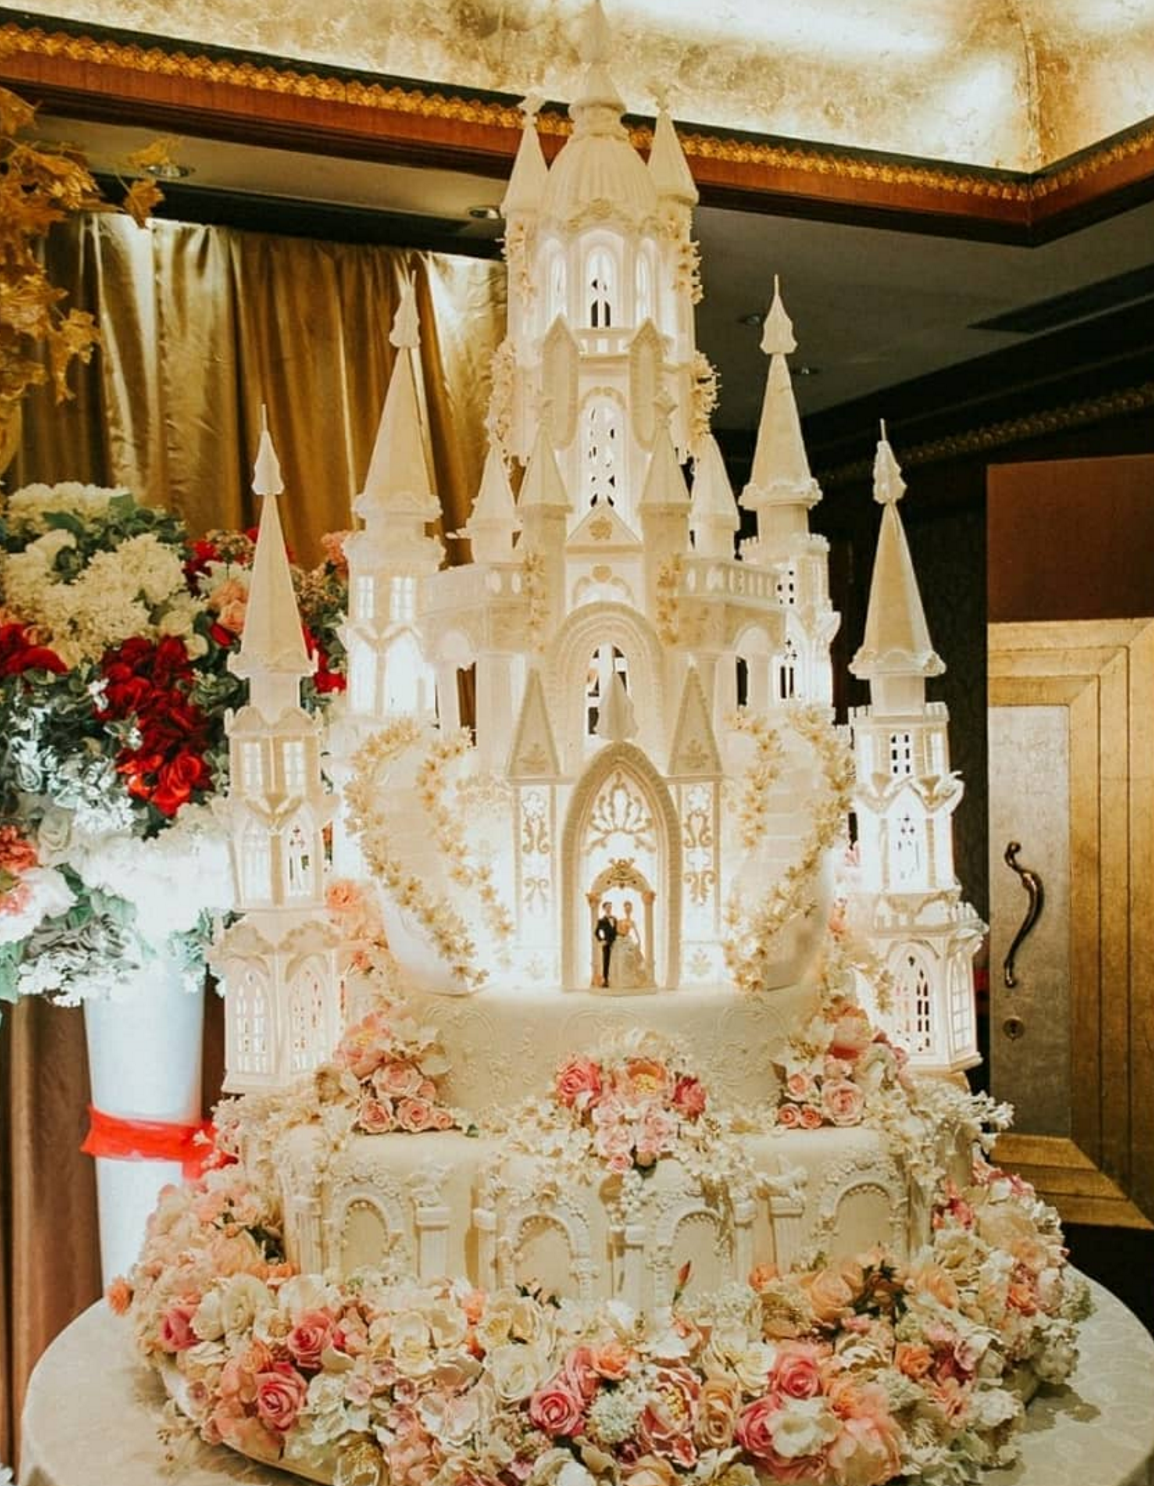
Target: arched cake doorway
[{"x": 622, "y": 822}]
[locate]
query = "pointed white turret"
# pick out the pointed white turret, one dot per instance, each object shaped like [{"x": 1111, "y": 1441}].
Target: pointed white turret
[
  {"x": 896, "y": 655},
  {"x": 494, "y": 522},
  {"x": 543, "y": 488},
  {"x": 668, "y": 165},
  {"x": 527, "y": 181},
  {"x": 398, "y": 480},
  {"x": 272, "y": 655},
  {"x": 714, "y": 517},
  {"x": 781, "y": 489},
  {"x": 665, "y": 486},
  {"x": 616, "y": 719}
]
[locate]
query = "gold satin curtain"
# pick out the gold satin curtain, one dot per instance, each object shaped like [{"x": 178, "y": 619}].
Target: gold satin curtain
[{"x": 199, "y": 326}]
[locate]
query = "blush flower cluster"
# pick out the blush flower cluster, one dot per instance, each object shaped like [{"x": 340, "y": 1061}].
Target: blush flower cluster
[
  {"x": 831, "y": 1070},
  {"x": 637, "y": 1108}
]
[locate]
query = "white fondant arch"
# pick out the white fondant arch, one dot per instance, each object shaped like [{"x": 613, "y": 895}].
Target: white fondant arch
[{"x": 568, "y": 665}]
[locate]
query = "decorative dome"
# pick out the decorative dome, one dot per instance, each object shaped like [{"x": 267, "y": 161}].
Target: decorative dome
[{"x": 598, "y": 165}]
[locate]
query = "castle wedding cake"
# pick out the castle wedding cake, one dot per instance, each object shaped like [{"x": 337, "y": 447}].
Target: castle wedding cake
[{"x": 597, "y": 1126}]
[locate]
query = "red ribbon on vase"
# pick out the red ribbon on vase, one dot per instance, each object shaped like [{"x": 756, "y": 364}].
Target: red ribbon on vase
[{"x": 122, "y": 1139}]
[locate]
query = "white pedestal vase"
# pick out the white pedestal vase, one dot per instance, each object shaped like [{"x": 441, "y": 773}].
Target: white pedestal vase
[{"x": 144, "y": 1062}]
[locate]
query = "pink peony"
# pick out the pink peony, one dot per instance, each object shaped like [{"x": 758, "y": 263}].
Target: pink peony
[
  {"x": 689, "y": 1097},
  {"x": 557, "y": 1408},
  {"x": 312, "y": 1332},
  {"x": 842, "y": 1102},
  {"x": 280, "y": 1396},
  {"x": 666, "y": 1424},
  {"x": 578, "y": 1082}
]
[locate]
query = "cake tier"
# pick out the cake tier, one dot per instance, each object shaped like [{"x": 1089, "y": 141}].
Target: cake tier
[
  {"x": 505, "y": 1044},
  {"x": 450, "y": 1204}
]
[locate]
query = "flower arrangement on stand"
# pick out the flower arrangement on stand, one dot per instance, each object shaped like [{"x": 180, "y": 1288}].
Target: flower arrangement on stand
[{"x": 115, "y": 635}]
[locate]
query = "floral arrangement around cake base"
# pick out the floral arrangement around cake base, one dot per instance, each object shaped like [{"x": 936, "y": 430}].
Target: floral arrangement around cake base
[{"x": 855, "y": 1372}]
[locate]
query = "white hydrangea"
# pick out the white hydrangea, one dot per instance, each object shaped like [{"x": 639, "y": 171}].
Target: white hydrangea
[{"x": 43, "y": 893}]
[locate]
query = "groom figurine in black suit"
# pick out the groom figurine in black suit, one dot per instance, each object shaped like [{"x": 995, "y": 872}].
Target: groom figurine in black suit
[{"x": 605, "y": 933}]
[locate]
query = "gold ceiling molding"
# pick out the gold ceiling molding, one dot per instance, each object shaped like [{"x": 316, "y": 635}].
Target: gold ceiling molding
[
  {"x": 1008, "y": 431},
  {"x": 155, "y": 60},
  {"x": 1111, "y": 152}
]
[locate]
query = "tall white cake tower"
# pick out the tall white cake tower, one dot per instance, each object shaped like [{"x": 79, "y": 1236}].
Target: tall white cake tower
[
  {"x": 909, "y": 903},
  {"x": 653, "y": 719},
  {"x": 281, "y": 961}
]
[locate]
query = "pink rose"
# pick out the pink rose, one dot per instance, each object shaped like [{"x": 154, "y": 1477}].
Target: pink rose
[
  {"x": 376, "y": 1115},
  {"x": 397, "y": 1079},
  {"x": 578, "y": 1082},
  {"x": 311, "y": 1334},
  {"x": 842, "y": 1102},
  {"x": 415, "y": 1115},
  {"x": 789, "y": 1115},
  {"x": 280, "y": 1396},
  {"x": 443, "y": 1119},
  {"x": 799, "y": 1086},
  {"x": 689, "y": 1097},
  {"x": 556, "y": 1408},
  {"x": 176, "y": 1333},
  {"x": 810, "y": 1117},
  {"x": 580, "y": 1374},
  {"x": 754, "y": 1431},
  {"x": 795, "y": 1373}
]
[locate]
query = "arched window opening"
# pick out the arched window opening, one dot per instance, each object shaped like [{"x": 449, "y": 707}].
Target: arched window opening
[
  {"x": 787, "y": 672},
  {"x": 298, "y": 864},
  {"x": 603, "y": 663},
  {"x": 600, "y": 289},
  {"x": 250, "y": 1022},
  {"x": 293, "y": 766},
  {"x": 916, "y": 1005},
  {"x": 907, "y": 852},
  {"x": 403, "y": 599},
  {"x": 557, "y": 304},
  {"x": 255, "y": 863},
  {"x": 742, "y": 681},
  {"x": 644, "y": 289},
  {"x": 602, "y": 452},
  {"x": 901, "y": 755}
]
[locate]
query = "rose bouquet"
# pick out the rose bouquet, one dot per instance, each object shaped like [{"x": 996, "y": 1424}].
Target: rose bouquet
[
  {"x": 636, "y": 1108},
  {"x": 833, "y": 1068},
  {"x": 114, "y": 687}
]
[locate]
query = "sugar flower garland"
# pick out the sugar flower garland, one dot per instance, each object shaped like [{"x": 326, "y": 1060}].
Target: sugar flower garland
[{"x": 754, "y": 931}]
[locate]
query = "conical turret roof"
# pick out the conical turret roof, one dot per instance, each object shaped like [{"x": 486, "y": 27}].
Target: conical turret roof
[
  {"x": 664, "y": 481},
  {"x": 780, "y": 473},
  {"x": 668, "y": 165},
  {"x": 713, "y": 500},
  {"x": 530, "y": 173},
  {"x": 543, "y": 488},
  {"x": 897, "y": 638},
  {"x": 272, "y": 638},
  {"x": 398, "y": 476},
  {"x": 494, "y": 521}
]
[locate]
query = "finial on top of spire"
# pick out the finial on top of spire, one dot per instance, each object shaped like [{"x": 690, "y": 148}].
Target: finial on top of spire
[
  {"x": 777, "y": 335},
  {"x": 596, "y": 41},
  {"x": 266, "y": 475},
  {"x": 889, "y": 487},
  {"x": 406, "y": 329}
]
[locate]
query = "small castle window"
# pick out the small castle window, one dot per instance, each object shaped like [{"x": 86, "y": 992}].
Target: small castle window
[
  {"x": 306, "y": 1023},
  {"x": 602, "y": 451},
  {"x": 644, "y": 289},
  {"x": 293, "y": 765},
  {"x": 557, "y": 304},
  {"x": 251, "y": 767},
  {"x": 255, "y": 864},
  {"x": 600, "y": 289},
  {"x": 742, "y": 681},
  {"x": 907, "y": 852},
  {"x": 249, "y": 1004},
  {"x": 298, "y": 864},
  {"x": 403, "y": 599},
  {"x": 787, "y": 585},
  {"x": 901, "y": 755},
  {"x": 365, "y": 596},
  {"x": 915, "y": 1005},
  {"x": 787, "y": 672}
]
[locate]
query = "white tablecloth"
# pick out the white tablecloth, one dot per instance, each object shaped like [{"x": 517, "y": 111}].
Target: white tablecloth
[{"x": 92, "y": 1412}]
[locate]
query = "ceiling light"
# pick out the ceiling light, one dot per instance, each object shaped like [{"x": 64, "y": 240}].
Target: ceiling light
[
  {"x": 755, "y": 318},
  {"x": 807, "y": 371},
  {"x": 485, "y": 213},
  {"x": 167, "y": 170}
]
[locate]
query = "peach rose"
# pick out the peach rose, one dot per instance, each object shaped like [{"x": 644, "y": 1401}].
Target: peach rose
[
  {"x": 832, "y": 1291},
  {"x": 913, "y": 1360},
  {"x": 415, "y": 1115},
  {"x": 557, "y": 1409},
  {"x": 280, "y": 1396},
  {"x": 811, "y": 1117},
  {"x": 716, "y": 1414},
  {"x": 376, "y": 1115},
  {"x": 312, "y": 1332},
  {"x": 176, "y": 1333},
  {"x": 932, "y": 1279},
  {"x": 789, "y": 1116},
  {"x": 579, "y": 1373},
  {"x": 612, "y": 1361},
  {"x": 799, "y": 1085},
  {"x": 842, "y": 1102},
  {"x": 397, "y": 1080},
  {"x": 578, "y": 1082}
]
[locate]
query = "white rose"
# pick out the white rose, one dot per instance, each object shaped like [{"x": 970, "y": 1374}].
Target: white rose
[
  {"x": 412, "y": 1345},
  {"x": 516, "y": 1370},
  {"x": 242, "y": 1300},
  {"x": 804, "y": 1426}
]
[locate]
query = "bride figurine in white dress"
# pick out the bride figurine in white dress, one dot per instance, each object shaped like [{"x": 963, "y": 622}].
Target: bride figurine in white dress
[{"x": 627, "y": 968}]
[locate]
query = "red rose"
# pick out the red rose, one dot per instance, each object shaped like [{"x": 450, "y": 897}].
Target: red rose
[
  {"x": 177, "y": 780},
  {"x": 17, "y": 655},
  {"x": 689, "y": 1098}
]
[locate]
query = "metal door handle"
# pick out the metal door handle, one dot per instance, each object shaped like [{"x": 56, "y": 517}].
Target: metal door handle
[{"x": 1037, "y": 898}]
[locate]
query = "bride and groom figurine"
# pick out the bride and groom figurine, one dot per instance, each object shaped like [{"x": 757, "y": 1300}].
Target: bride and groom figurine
[{"x": 621, "y": 963}]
